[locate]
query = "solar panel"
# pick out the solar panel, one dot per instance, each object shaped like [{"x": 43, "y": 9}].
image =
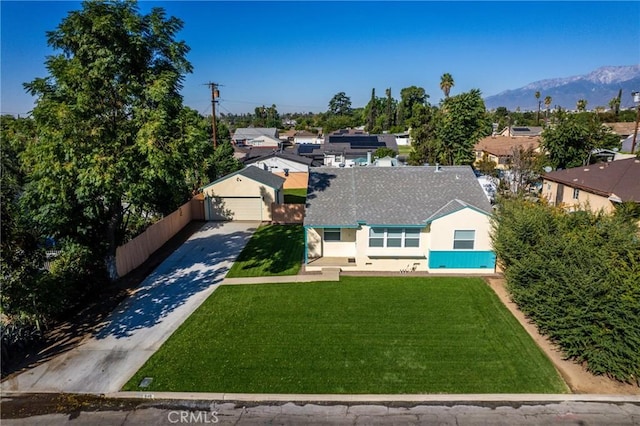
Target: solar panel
[{"x": 307, "y": 148}]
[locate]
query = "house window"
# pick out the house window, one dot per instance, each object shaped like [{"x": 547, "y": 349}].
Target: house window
[
  {"x": 394, "y": 237},
  {"x": 576, "y": 193},
  {"x": 463, "y": 240},
  {"x": 332, "y": 234},
  {"x": 412, "y": 237},
  {"x": 376, "y": 237}
]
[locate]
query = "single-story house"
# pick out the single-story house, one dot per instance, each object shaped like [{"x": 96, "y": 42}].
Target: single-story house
[
  {"x": 346, "y": 149},
  {"x": 256, "y": 136},
  {"x": 600, "y": 186},
  {"x": 303, "y": 137},
  {"x": 430, "y": 218},
  {"x": 294, "y": 168},
  {"x": 521, "y": 131},
  {"x": 500, "y": 149},
  {"x": 243, "y": 195}
]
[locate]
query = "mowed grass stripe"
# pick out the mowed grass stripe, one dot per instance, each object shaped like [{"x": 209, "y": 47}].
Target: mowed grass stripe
[
  {"x": 360, "y": 335},
  {"x": 273, "y": 250}
]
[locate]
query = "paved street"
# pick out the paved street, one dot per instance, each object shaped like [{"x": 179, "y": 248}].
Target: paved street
[
  {"x": 192, "y": 412},
  {"x": 136, "y": 329}
]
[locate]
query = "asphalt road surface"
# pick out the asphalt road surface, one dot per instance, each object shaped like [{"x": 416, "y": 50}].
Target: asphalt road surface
[{"x": 78, "y": 410}]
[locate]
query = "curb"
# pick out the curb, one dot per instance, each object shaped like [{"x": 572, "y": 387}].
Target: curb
[{"x": 361, "y": 398}]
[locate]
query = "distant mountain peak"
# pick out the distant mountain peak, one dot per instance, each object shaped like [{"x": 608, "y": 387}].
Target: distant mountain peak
[{"x": 597, "y": 87}]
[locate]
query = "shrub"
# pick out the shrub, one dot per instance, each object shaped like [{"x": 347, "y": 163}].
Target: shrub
[{"x": 577, "y": 276}]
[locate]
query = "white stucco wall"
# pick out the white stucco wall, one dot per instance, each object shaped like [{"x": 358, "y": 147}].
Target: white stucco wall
[{"x": 442, "y": 230}]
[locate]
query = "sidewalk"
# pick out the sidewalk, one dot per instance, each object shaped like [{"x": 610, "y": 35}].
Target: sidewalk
[{"x": 327, "y": 274}]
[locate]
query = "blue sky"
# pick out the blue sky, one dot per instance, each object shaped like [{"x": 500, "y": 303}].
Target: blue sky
[{"x": 297, "y": 55}]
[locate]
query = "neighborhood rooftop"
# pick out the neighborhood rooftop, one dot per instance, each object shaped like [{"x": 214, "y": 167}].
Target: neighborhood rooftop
[
  {"x": 390, "y": 196},
  {"x": 257, "y": 174},
  {"x": 620, "y": 179},
  {"x": 504, "y": 145}
]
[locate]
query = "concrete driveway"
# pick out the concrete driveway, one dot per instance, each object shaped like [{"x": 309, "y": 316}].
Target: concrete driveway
[{"x": 138, "y": 327}]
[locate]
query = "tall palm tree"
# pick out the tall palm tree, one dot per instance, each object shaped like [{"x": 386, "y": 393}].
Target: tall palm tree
[
  {"x": 538, "y": 99},
  {"x": 446, "y": 83},
  {"x": 547, "y": 103}
]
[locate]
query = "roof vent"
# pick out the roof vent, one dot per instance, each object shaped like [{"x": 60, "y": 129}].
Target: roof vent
[
  {"x": 438, "y": 169},
  {"x": 586, "y": 170}
]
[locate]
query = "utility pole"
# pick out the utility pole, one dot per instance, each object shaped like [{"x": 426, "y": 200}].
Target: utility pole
[
  {"x": 636, "y": 99},
  {"x": 215, "y": 94}
]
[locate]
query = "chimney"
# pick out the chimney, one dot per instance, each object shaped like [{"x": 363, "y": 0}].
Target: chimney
[
  {"x": 437, "y": 168},
  {"x": 368, "y": 158}
]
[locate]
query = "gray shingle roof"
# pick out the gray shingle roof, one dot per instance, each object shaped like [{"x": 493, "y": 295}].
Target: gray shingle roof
[
  {"x": 257, "y": 174},
  {"x": 263, "y": 176},
  {"x": 286, "y": 155},
  {"x": 248, "y": 133},
  {"x": 390, "y": 195}
]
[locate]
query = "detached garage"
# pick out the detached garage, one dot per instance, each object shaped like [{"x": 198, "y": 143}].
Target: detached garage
[{"x": 244, "y": 195}]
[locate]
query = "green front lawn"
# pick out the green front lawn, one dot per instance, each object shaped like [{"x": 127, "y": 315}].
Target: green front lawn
[
  {"x": 404, "y": 149},
  {"x": 295, "y": 196},
  {"x": 272, "y": 250},
  {"x": 359, "y": 335}
]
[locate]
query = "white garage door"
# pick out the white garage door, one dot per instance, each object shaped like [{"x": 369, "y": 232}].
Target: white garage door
[{"x": 237, "y": 208}]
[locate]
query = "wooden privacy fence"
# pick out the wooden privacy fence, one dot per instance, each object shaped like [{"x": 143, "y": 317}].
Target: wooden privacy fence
[
  {"x": 287, "y": 213},
  {"x": 134, "y": 253}
]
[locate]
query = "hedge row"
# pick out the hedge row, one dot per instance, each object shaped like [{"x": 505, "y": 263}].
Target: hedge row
[{"x": 577, "y": 276}]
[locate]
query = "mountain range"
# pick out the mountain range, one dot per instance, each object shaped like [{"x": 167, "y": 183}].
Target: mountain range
[{"x": 597, "y": 88}]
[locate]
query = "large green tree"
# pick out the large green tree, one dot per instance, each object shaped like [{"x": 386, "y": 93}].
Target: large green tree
[
  {"x": 340, "y": 105},
  {"x": 460, "y": 122},
  {"x": 571, "y": 139},
  {"x": 410, "y": 96},
  {"x": 108, "y": 119}
]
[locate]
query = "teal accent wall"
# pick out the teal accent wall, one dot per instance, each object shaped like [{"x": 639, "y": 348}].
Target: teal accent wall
[{"x": 461, "y": 259}]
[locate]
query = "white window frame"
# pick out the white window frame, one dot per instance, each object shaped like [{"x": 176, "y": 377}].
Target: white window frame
[
  {"x": 464, "y": 240},
  {"x": 394, "y": 231},
  {"x": 576, "y": 193},
  {"x": 332, "y": 231}
]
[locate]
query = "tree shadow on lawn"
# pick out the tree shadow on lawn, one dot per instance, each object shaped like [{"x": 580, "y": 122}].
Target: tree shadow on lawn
[
  {"x": 191, "y": 269},
  {"x": 275, "y": 249},
  {"x": 71, "y": 329}
]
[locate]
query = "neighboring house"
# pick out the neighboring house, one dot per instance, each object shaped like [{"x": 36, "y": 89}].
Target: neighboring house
[
  {"x": 623, "y": 130},
  {"x": 521, "y": 131},
  {"x": 499, "y": 149},
  {"x": 304, "y": 137},
  {"x": 403, "y": 138},
  {"x": 600, "y": 186},
  {"x": 256, "y": 136},
  {"x": 243, "y": 195},
  {"x": 386, "y": 162},
  {"x": 346, "y": 149},
  {"x": 294, "y": 168},
  {"x": 427, "y": 218},
  {"x": 627, "y": 144}
]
